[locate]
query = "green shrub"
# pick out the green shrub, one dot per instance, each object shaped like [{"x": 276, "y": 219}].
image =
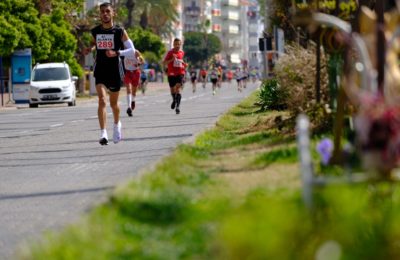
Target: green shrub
[{"x": 271, "y": 96}]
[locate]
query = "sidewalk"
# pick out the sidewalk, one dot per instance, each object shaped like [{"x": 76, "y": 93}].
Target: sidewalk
[{"x": 6, "y": 102}]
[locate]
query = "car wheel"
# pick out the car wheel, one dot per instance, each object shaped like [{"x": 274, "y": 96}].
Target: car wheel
[
  {"x": 72, "y": 103},
  {"x": 33, "y": 105}
]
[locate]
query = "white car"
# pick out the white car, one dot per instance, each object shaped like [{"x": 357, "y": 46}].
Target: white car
[{"x": 52, "y": 83}]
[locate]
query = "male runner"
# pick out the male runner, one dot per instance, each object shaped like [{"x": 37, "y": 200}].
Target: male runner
[
  {"x": 132, "y": 64},
  {"x": 193, "y": 79},
  {"x": 203, "y": 75},
  {"x": 214, "y": 79},
  {"x": 176, "y": 72},
  {"x": 143, "y": 81},
  {"x": 109, "y": 39},
  {"x": 239, "y": 78}
]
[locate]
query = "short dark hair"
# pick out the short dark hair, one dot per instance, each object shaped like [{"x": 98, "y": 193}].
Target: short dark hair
[
  {"x": 105, "y": 4},
  {"x": 177, "y": 39}
]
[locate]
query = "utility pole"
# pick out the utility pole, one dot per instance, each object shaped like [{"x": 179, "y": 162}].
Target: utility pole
[{"x": 265, "y": 34}]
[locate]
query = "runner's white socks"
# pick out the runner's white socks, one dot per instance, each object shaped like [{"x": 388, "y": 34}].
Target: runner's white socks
[{"x": 103, "y": 134}]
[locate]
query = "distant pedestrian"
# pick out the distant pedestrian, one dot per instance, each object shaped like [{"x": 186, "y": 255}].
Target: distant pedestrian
[
  {"x": 176, "y": 73},
  {"x": 109, "y": 39}
]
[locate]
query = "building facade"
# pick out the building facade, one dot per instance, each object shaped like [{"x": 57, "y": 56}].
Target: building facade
[{"x": 235, "y": 22}]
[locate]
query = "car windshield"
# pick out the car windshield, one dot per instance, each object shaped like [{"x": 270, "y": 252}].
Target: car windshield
[{"x": 50, "y": 74}]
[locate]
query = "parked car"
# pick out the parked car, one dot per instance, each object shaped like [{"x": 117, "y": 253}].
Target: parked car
[{"x": 52, "y": 83}]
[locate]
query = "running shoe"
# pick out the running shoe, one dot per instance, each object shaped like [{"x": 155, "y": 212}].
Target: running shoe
[
  {"x": 173, "y": 104},
  {"x": 214, "y": 92},
  {"x": 117, "y": 135},
  {"x": 129, "y": 111},
  {"x": 177, "y": 110},
  {"x": 103, "y": 141},
  {"x": 133, "y": 104}
]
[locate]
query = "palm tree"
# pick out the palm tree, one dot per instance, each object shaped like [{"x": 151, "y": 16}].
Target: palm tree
[
  {"x": 156, "y": 15},
  {"x": 130, "y": 5}
]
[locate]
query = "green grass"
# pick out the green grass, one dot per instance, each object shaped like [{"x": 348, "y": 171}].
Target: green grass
[
  {"x": 282, "y": 155},
  {"x": 186, "y": 209}
]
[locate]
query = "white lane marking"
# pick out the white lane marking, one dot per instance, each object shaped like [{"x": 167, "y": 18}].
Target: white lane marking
[
  {"x": 57, "y": 125},
  {"x": 77, "y": 121}
]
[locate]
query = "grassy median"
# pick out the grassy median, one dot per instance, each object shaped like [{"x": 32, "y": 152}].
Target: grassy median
[{"x": 235, "y": 193}]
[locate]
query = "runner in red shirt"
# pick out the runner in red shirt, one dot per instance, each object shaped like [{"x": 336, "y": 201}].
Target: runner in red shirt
[
  {"x": 203, "y": 75},
  {"x": 176, "y": 72}
]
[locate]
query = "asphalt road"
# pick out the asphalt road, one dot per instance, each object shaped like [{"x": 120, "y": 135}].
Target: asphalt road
[{"x": 52, "y": 169}]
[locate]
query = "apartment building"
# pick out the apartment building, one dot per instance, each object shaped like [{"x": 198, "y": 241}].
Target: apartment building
[
  {"x": 255, "y": 28},
  {"x": 235, "y": 22}
]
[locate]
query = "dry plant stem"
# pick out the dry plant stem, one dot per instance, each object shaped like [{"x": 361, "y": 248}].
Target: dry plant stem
[{"x": 338, "y": 128}]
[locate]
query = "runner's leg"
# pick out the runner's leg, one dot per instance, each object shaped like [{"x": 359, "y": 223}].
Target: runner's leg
[
  {"x": 102, "y": 113},
  {"x": 129, "y": 98},
  {"x": 172, "y": 83},
  {"x": 178, "y": 97},
  {"x": 115, "y": 109}
]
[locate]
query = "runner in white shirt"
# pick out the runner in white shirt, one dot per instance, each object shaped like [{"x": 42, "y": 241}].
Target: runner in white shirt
[{"x": 132, "y": 64}]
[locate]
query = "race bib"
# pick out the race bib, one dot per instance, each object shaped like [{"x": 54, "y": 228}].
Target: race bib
[
  {"x": 178, "y": 63},
  {"x": 130, "y": 62},
  {"x": 105, "y": 41}
]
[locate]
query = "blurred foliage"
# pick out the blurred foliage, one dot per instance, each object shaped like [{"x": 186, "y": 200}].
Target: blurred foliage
[
  {"x": 145, "y": 40},
  {"x": 158, "y": 16},
  {"x": 295, "y": 74},
  {"x": 199, "y": 47},
  {"x": 42, "y": 26},
  {"x": 271, "y": 96}
]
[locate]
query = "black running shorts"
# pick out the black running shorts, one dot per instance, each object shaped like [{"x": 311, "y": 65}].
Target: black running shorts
[
  {"x": 173, "y": 80},
  {"x": 111, "y": 80}
]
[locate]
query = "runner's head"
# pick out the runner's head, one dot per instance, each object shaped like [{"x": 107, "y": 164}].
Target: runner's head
[
  {"x": 106, "y": 14},
  {"x": 177, "y": 44}
]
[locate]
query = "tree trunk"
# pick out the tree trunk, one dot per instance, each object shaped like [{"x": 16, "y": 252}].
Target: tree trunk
[
  {"x": 130, "y": 5},
  {"x": 144, "y": 19}
]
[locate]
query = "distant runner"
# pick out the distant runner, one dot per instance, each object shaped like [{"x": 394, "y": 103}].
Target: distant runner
[
  {"x": 214, "y": 79},
  {"x": 193, "y": 79},
  {"x": 132, "y": 64},
  {"x": 176, "y": 73},
  {"x": 143, "y": 82}
]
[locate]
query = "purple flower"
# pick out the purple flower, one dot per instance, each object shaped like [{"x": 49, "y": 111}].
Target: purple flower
[{"x": 325, "y": 148}]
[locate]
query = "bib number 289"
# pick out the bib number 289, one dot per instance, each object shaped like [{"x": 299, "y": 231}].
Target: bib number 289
[{"x": 105, "y": 41}]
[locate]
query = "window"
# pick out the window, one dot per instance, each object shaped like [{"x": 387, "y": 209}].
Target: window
[
  {"x": 233, "y": 2},
  {"x": 235, "y": 58},
  {"x": 50, "y": 74},
  {"x": 234, "y": 29},
  {"x": 233, "y": 15}
]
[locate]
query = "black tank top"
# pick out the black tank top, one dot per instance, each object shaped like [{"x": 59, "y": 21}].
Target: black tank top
[{"x": 107, "y": 39}]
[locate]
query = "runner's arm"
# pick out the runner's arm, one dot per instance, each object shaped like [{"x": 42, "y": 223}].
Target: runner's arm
[
  {"x": 169, "y": 58},
  {"x": 89, "y": 49},
  {"x": 128, "y": 44}
]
